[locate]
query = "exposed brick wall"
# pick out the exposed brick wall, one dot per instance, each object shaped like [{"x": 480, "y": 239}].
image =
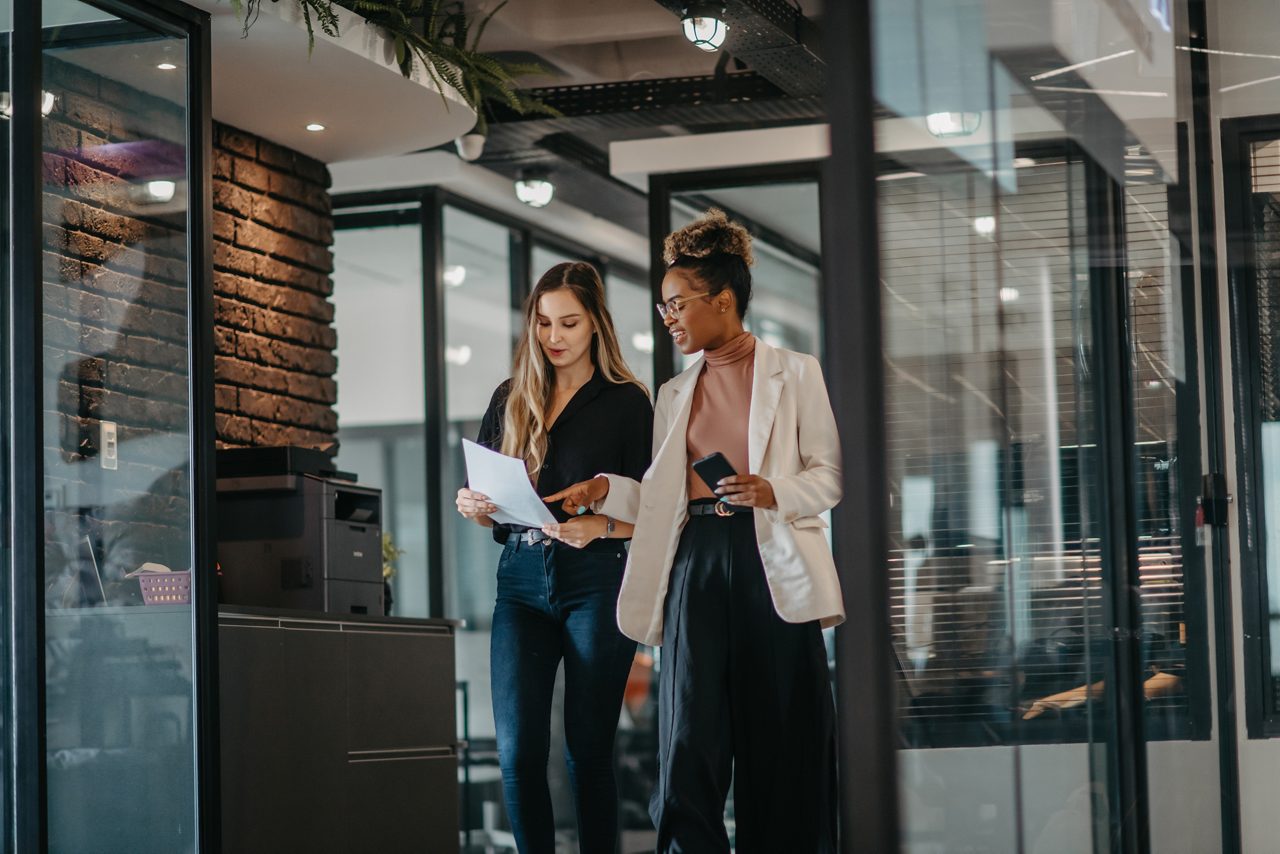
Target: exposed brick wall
[
  {"x": 115, "y": 337},
  {"x": 274, "y": 338},
  {"x": 115, "y": 322}
]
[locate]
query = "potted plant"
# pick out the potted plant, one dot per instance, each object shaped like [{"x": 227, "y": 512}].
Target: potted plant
[{"x": 390, "y": 554}]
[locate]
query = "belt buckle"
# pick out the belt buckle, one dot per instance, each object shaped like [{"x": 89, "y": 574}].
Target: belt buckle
[
  {"x": 723, "y": 510},
  {"x": 528, "y": 537}
]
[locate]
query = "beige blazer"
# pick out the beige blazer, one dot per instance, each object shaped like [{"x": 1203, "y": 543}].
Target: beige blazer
[{"x": 792, "y": 443}]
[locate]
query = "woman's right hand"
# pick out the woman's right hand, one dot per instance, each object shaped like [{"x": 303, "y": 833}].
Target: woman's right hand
[
  {"x": 581, "y": 495},
  {"x": 472, "y": 505}
]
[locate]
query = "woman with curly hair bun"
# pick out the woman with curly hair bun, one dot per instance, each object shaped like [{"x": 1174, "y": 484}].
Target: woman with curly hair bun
[{"x": 734, "y": 580}]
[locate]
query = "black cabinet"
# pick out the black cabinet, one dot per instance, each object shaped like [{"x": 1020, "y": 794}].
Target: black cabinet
[{"x": 337, "y": 734}]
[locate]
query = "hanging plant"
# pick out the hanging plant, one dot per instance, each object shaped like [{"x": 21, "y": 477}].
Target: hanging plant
[{"x": 446, "y": 46}]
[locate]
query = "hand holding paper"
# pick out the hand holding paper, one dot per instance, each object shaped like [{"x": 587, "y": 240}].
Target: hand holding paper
[{"x": 504, "y": 480}]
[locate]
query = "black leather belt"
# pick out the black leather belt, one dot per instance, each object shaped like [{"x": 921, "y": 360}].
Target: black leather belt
[
  {"x": 529, "y": 536},
  {"x": 715, "y": 508}
]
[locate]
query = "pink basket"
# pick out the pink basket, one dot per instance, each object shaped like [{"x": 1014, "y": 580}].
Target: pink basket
[{"x": 166, "y": 588}]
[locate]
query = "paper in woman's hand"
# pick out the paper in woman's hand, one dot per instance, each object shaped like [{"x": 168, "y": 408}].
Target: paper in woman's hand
[{"x": 504, "y": 480}]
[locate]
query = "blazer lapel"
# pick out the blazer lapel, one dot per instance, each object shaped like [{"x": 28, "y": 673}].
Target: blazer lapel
[
  {"x": 766, "y": 389},
  {"x": 674, "y": 447}
]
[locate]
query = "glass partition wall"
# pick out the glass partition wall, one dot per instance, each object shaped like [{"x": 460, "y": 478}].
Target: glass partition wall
[
  {"x": 434, "y": 285},
  {"x": 109, "y": 433},
  {"x": 1049, "y": 600},
  {"x": 7, "y": 781}
]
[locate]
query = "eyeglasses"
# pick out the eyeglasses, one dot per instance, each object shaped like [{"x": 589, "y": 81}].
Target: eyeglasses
[{"x": 672, "y": 307}]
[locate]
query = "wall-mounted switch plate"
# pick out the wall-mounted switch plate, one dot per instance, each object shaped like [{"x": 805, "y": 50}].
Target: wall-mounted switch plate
[{"x": 109, "y": 451}]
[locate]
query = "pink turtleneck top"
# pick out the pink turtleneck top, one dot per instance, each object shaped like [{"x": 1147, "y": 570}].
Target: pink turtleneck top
[{"x": 721, "y": 408}]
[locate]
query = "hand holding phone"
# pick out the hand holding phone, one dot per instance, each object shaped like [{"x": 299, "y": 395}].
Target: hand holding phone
[
  {"x": 741, "y": 492},
  {"x": 714, "y": 468}
]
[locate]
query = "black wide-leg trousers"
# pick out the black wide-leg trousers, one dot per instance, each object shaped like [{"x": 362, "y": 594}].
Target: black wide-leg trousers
[{"x": 744, "y": 697}]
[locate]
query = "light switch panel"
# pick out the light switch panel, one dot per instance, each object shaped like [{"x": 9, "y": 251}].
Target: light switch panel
[{"x": 109, "y": 450}]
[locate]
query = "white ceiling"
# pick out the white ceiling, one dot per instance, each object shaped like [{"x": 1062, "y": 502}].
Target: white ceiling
[{"x": 267, "y": 84}]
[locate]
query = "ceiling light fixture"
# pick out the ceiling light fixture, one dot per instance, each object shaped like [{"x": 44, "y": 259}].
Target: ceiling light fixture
[
  {"x": 1023, "y": 162},
  {"x": 944, "y": 125},
  {"x": 455, "y": 275},
  {"x": 1249, "y": 83},
  {"x": 1084, "y": 90},
  {"x": 985, "y": 225},
  {"x": 534, "y": 187},
  {"x": 1045, "y": 75},
  {"x": 166, "y": 66},
  {"x": 898, "y": 176},
  {"x": 704, "y": 25},
  {"x": 1009, "y": 294},
  {"x": 470, "y": 146},
  {"x": 315, "y": 127},
  {"x": 153, "y": 192},
  {"x": 457, "y": 355},
  {"x": 47, "y": 102}
]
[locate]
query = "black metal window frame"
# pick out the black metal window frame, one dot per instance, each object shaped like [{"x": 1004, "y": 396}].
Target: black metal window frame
[
  {"x": 425, "y": 206},
  {"x": 24, "y": 783},
  {"x": 1262, "y": 707}
]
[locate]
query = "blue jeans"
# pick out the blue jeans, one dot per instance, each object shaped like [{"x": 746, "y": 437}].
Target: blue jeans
[{"x": 556, "y": 602}]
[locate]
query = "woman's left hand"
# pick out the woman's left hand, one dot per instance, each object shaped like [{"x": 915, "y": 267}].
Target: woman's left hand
[
  {"x": 747, "y": 490},
  {"x": 578, "y": 532}
]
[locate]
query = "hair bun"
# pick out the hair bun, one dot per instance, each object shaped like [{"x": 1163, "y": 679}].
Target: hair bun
[{"x": 711, "y": 233}]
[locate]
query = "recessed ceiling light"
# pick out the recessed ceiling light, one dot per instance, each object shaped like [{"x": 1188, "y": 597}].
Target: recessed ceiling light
[
  {"x": 985, "y": 225},
  {"x": 315, "y": 127},
  {"x": 166, "y": 66}
]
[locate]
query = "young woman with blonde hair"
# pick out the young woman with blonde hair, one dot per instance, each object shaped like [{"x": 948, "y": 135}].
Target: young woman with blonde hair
[
  {"x": 571, "y": 409},
  {"x": 735, "y": 580}
]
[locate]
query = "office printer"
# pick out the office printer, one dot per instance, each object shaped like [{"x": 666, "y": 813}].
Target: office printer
[{"x": 294, "y": 533}]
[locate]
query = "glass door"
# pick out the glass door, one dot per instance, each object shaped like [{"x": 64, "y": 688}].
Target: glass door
[
  {"x": 1049, "y": 601},
  {"x": 117, "y": 403}
]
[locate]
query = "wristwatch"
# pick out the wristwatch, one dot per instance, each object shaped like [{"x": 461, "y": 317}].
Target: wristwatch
[{"x": 608, "y": 527}]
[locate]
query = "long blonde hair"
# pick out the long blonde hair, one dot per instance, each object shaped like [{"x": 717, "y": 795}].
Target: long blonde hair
[{"x": 524, "y": 425}]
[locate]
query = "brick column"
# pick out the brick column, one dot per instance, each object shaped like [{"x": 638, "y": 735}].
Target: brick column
[{"x": 274, "y": 338}]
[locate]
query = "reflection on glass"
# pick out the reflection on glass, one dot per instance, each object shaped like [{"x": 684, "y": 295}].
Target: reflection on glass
[
  {"x": 543, "y": 258},
  {"x": 994, "y": 567},
  {"x": 635, "y": 321},
  {"x": 117, "y": 477},
  {"x": 1264, "y": 224},
  {"x": 378, "y": 316},
  {"x": 479, "y": 327}
]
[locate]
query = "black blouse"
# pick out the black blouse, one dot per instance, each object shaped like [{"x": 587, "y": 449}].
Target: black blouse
[{"x": 606, "y": 428}]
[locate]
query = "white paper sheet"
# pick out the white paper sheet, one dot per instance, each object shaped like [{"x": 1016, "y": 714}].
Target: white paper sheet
[{"x": 505, "y": 481}]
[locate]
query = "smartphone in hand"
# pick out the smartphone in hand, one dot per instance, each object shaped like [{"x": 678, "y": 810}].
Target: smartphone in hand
[{"x": 712, "y": 469}]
